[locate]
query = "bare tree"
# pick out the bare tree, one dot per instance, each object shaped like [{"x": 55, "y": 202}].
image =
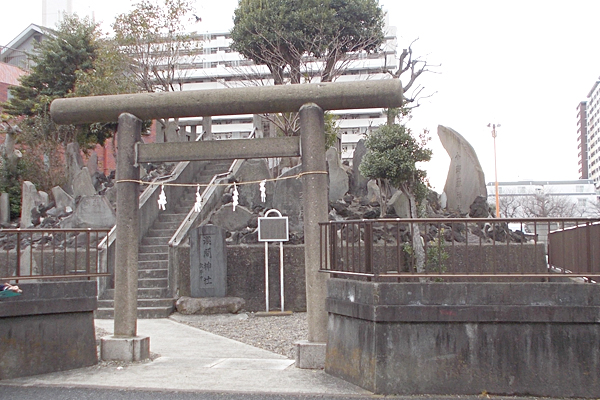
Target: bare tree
[
  {"x": 154, "y": 37},
  {"x": 414, "y": 67},
  {"x": 539, "y": 205}
]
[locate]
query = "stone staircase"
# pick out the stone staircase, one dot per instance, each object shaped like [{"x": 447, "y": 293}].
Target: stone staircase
[{"x": 153, "y": 257}]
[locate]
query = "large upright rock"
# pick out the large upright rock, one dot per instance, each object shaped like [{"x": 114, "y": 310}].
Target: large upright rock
[
  {"x": 74, "y": 163},
  {"x": 288, "y": 198},
  {"x": 4, "y": 208},
  {"x": 338, "y": 178},
  {"x": 465, "y": 179},
  {"x": 62, "y": 200},
  {"x": 82, "y": 184},
  {"x": 30, "y": 200},
  {"x": 400, "y": 203},
  {"x": 92, "y": 164},
  {"x": 254, "y": 170},
  {"x": 172, "y": 132},
  {"x": 359, "y": 182},
  {"x": 91, "y": 212}
]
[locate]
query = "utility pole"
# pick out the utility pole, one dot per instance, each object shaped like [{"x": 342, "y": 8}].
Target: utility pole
[{"x": 493, "y": 126}]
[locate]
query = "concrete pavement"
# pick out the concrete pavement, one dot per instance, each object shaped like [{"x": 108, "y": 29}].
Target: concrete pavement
[{"x": 190, "y": 359}]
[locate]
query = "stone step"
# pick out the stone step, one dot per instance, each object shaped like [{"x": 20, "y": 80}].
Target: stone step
[
  {"x": 152, "y": 293},
  {"x": 184, "y": 210},
  {"x": 171, "y": 217},
  {"x": 165, "y": 225},
  {"x": 148, "y": 265},
  {"x": 153, "y": 249},
  {"x": 142, "y": 312},
  {"x": 156, "y": 241},
  {"x": 144, "y": 257},
  {"x": 153, "y": 283},
  {"x": 154, "y": 273},
  {"x": 155, "y": 232},
  {"x": 167, "y": 302}
]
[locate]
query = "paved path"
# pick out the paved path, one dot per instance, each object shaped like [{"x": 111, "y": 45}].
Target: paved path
[{"x": 190, "y": 359}]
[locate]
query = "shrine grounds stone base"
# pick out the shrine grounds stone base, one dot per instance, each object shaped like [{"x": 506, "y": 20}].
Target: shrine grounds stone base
[
  {"x": 49, "y": 328},
  {"x": 538, "y": 339}
]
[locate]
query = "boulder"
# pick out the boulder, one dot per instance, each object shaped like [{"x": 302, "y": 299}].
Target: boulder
[
  {"x": 30, "y": 200},
  {"x": 63, "y": 201},
  {"x": 74, "y": 164},
  {"x": 209, "y": 305},
  {"x": 254, "y": 170},
  {"x": 288, "y": 199},
  {"x": 359, "y": 182},
  {"x": 91, "y": 212},
  {"x": 338, "y": 178},
  {"x": 465, "y": 179},
  {"x": 4, "y": 208},
  {"x": 479, "y": 208},
  {"x": 82, "y": 184},
  {"x": 231, "y": 220},
  {"x": 92, "y": 163},
  {"x": 171, "y": 132},
  {"x": 399, "y": 202},
  {"x": 373, "y": 192}
]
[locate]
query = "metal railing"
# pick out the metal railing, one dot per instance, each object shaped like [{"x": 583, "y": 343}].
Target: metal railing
[
  {"x": 27, "y": 254},
  {"x": 457, "y": 248},
  {"x": 572, "y": 247}
]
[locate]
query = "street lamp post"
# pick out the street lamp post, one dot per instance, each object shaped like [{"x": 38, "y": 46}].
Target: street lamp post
[{"x": 493, "y": 126}]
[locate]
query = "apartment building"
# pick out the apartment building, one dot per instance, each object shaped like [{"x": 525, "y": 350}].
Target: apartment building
[
  {"x": 588, "y": 136},
  {"x": 216, "y": 66}
]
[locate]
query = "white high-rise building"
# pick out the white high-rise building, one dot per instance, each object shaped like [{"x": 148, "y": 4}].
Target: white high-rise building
[
  {"x": 589, "y": 134},
  {"x": 216, "y": 66},
  {"x": 53, "y": 11}
]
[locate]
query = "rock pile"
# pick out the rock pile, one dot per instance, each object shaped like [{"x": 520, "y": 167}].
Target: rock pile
[{"x": 351, "y": 197}]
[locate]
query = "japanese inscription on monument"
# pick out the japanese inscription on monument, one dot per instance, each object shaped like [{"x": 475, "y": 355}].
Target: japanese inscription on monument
[{"x": 208, "y": 262}]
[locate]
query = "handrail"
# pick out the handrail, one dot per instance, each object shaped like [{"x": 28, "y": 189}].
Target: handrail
[{"x": 184, "y": 228}]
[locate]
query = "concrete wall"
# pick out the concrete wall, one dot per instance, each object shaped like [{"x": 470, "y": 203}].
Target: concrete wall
[
  {"x": 49, "y": 328},
  {"x": 538, "y": 339},
  {"x": 246, "y": 277}
]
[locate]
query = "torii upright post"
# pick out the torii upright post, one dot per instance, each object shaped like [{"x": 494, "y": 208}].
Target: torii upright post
[
  {"x": 311, "y": 353},
  {"x": 125, "y": 345}
]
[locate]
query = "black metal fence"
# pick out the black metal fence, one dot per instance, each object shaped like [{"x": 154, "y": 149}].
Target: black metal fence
[
  {"x": 452, "y": 249},
  {"x": 51, "y": 254}
]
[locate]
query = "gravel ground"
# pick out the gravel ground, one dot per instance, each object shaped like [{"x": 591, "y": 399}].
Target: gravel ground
[{"x": 274, "y": 333}]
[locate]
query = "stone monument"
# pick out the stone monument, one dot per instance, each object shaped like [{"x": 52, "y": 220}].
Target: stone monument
[
  {"x": 208, "y": 262},
  {"x": 465, "y": 179}
]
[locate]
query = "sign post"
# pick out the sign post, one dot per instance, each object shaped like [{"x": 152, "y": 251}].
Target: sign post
[{"x": 273, "y": 229}]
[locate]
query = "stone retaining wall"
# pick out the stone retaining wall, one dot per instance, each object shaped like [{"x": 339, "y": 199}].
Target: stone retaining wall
[
  {"x": 539, "y": 339},
  {"x": 49, "y": 328}
]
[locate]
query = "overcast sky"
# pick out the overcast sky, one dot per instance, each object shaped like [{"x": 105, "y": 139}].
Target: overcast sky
[{"x": 523, "y": 64}]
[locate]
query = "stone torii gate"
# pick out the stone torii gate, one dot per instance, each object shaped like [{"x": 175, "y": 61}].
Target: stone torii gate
[{"x": 130, "y": 109}]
